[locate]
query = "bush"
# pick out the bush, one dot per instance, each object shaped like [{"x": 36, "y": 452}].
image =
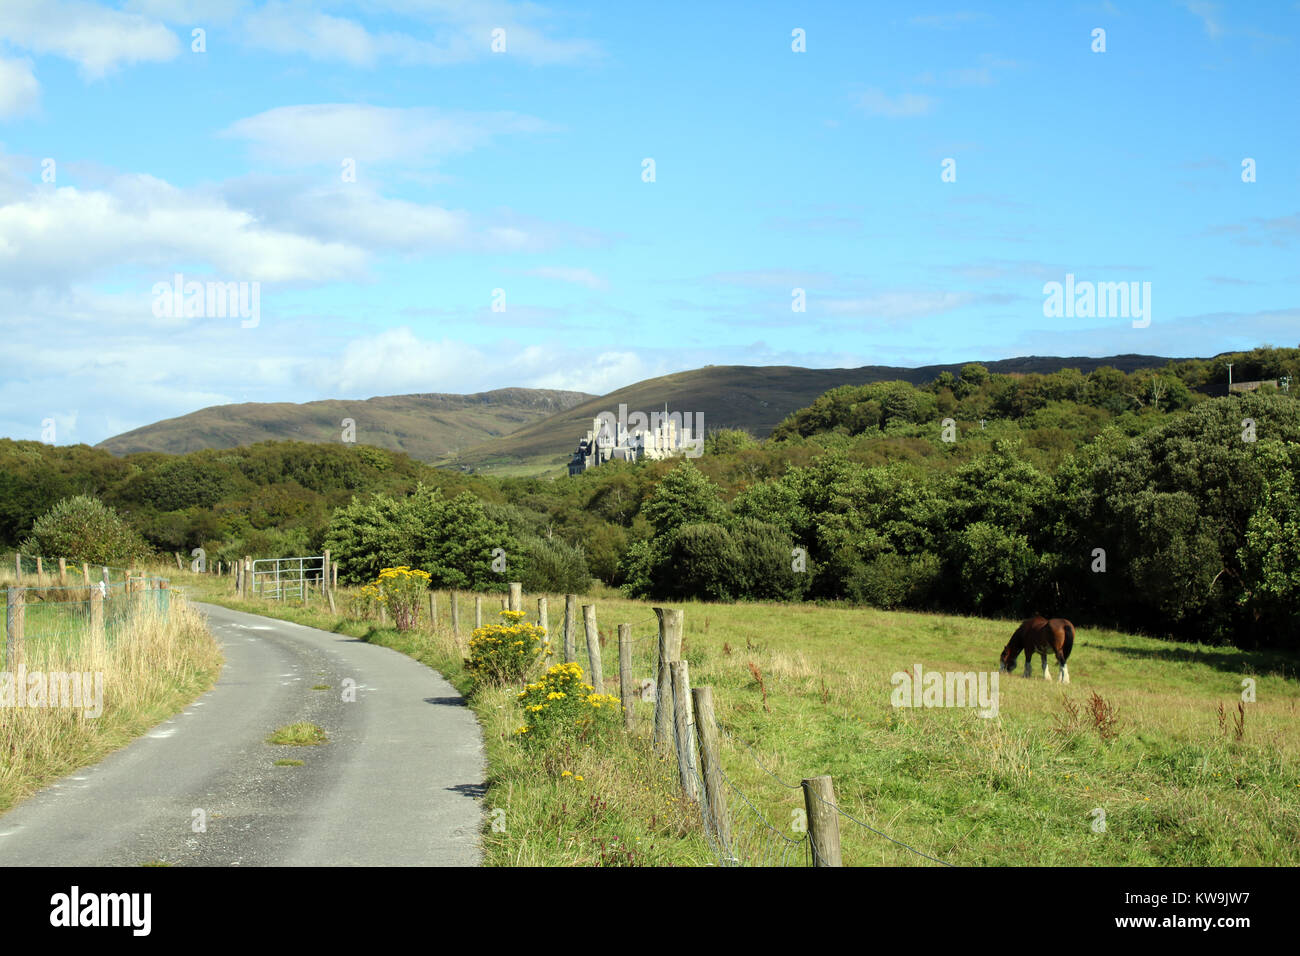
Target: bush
[
  {"x": 504, "y": 653},
  {"x": 561, "y": 706},
  {"x": 549, "y": 565},
  {"x": 402, "y": 592},
  {"x": 84, "y": 529}
]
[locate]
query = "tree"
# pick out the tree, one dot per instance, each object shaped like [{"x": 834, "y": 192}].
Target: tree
[
  {"x": 684, "y": 496},
  {"x": 84, "y": 529}
]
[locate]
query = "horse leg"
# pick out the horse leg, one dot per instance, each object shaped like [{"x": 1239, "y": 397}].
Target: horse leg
[
  {"x": 1042, "y": 656},
  {"x": 1029, "y": 662},
  {"x": 1065, "y": 672}
]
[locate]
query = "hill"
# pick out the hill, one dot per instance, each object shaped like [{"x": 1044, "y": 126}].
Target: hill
[
  {"x": 428, "y": 427},
  {"x": 753, "y": 397}
]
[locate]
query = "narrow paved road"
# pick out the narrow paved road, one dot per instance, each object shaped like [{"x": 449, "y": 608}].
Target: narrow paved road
[{"x": 395, "y": 785}]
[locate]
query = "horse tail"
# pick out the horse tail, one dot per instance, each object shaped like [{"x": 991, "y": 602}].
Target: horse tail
[{"x": 1069, "y": 641}]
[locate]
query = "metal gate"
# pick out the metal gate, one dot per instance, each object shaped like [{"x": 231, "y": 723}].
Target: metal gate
[{"x": 281, "y": 578}]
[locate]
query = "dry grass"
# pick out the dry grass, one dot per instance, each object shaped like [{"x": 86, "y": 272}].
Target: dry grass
[{"x": 152, "y": 666}]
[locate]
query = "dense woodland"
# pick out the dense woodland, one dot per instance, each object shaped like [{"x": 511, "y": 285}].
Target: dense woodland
[{"x": 1129, "y": 500}]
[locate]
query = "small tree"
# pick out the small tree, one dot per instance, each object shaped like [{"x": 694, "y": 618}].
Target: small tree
[{"x": 83, "y": 528}]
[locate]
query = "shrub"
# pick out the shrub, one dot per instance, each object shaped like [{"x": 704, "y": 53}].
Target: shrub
[
  {"x": 561, "y": 706},
  {"x": 365, "y": 604},
  {"x": 504, "y": 653},
  {"x": 550, "y": 565},
  {"x": 84, "y": 529},
  {"x": 402, "y": 592}
]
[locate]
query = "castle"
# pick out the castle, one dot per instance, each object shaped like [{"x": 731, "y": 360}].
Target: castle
[{"x": 658, "y": 437}]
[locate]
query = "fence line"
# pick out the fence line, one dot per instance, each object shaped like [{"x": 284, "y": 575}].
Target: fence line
[{"x": 749, "y": 837}]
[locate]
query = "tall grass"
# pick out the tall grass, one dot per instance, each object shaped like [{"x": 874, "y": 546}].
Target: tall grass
[{"x": 152, "y": 663}]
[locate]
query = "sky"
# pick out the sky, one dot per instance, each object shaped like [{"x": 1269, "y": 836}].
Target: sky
[{"x": 456, "y": 196}]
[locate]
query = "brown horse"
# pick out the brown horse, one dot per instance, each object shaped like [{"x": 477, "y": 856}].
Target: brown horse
[{"x": 1035, "y": 636}]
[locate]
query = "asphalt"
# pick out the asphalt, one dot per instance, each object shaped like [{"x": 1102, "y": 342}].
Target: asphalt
[{"x": 398, "y": 783}]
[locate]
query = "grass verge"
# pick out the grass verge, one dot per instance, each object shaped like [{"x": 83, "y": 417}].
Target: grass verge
[
  {"x": 1146, "y": 741},
  {"x": 152, "y": 666}
]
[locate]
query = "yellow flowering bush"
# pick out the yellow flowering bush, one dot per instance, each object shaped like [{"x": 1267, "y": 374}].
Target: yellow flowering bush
[
  {"x": 403, "y": 591},
  {"x": 504, "y": 653},
  {"x": 365, "y": 604},
  {"x": 560, "y": 705}
]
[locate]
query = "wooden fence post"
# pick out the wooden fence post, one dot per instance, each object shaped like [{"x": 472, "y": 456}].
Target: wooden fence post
[
  {"x": 478, "y": 611},
  {"x": 18, "y": 567},
  {"x": 179, "y": 566},
  {"x": 626, "y": 693},
  {"x": 714, "y": 791},
  {"x": 433, "y": 610},
  {"x": 329, "y": 596},
  {"x": 684, "y": 725},
  {"x": 248, "y": 573},
  {"x": 516, "y": 596},
  {"x": 85, "y": 574},
  {"x": 63, "y": 571},
  {"x": 823, "y": 821},
  {"x": 15, "y": 607},
  {"x": 593, "y": 648},
  {"x": 670, "y": 648},
  {"x": 542, "y": 617},
  {"x": 570, "y": 625},
  {"x": 97, "y": 614},
  {"x": 455, "y": 619},
  {"x": 40, "y": 573},
  {"x": 325, "y": 569}
]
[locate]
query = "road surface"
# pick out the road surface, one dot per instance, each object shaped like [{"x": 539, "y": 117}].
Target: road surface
[{"x": 396, "y": 785}]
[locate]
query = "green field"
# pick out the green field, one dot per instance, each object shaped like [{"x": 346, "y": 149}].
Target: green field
[{"x": 1176, "y": 785}]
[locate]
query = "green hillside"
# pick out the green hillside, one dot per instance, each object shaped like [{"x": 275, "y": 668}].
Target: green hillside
[
  {"x": 428, "y": 427},
  {"x": 750, "y": 397}
]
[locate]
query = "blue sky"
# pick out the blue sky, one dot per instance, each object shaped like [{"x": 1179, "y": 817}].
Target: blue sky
[{"x": 522, "y": 171}]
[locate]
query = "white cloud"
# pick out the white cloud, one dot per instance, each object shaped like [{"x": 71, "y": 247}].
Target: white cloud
[
  {"x": 875, "y": 102},
  {"x": 463, "y": 32},
  {"x": 59, "y": 235},
  {"x": 19, "y": 91},
  {"x": 189, "y": 12},
  {"x": 584, "y": 277},
  {"x": 331, "y": 132},
  {"x": 894, "y": 306},
  {"x": 97, "y": 38},
  {"x": 1208, "y": 13}
]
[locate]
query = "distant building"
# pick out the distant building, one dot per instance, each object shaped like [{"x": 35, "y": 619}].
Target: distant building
[
  {"x": 613, "y": 439},
  {"x": 1220, "y": 389}
]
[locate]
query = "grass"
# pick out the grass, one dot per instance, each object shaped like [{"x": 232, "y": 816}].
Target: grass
[
  {"x": 288, "y": 763},
  {"x": 301, "y": 734},
  {"x": 1148, "y": 731},
  {"x": 152, "y": 666}
]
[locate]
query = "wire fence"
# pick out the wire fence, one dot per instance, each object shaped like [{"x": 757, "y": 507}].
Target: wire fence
[{"x": 46, "y": 612}]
